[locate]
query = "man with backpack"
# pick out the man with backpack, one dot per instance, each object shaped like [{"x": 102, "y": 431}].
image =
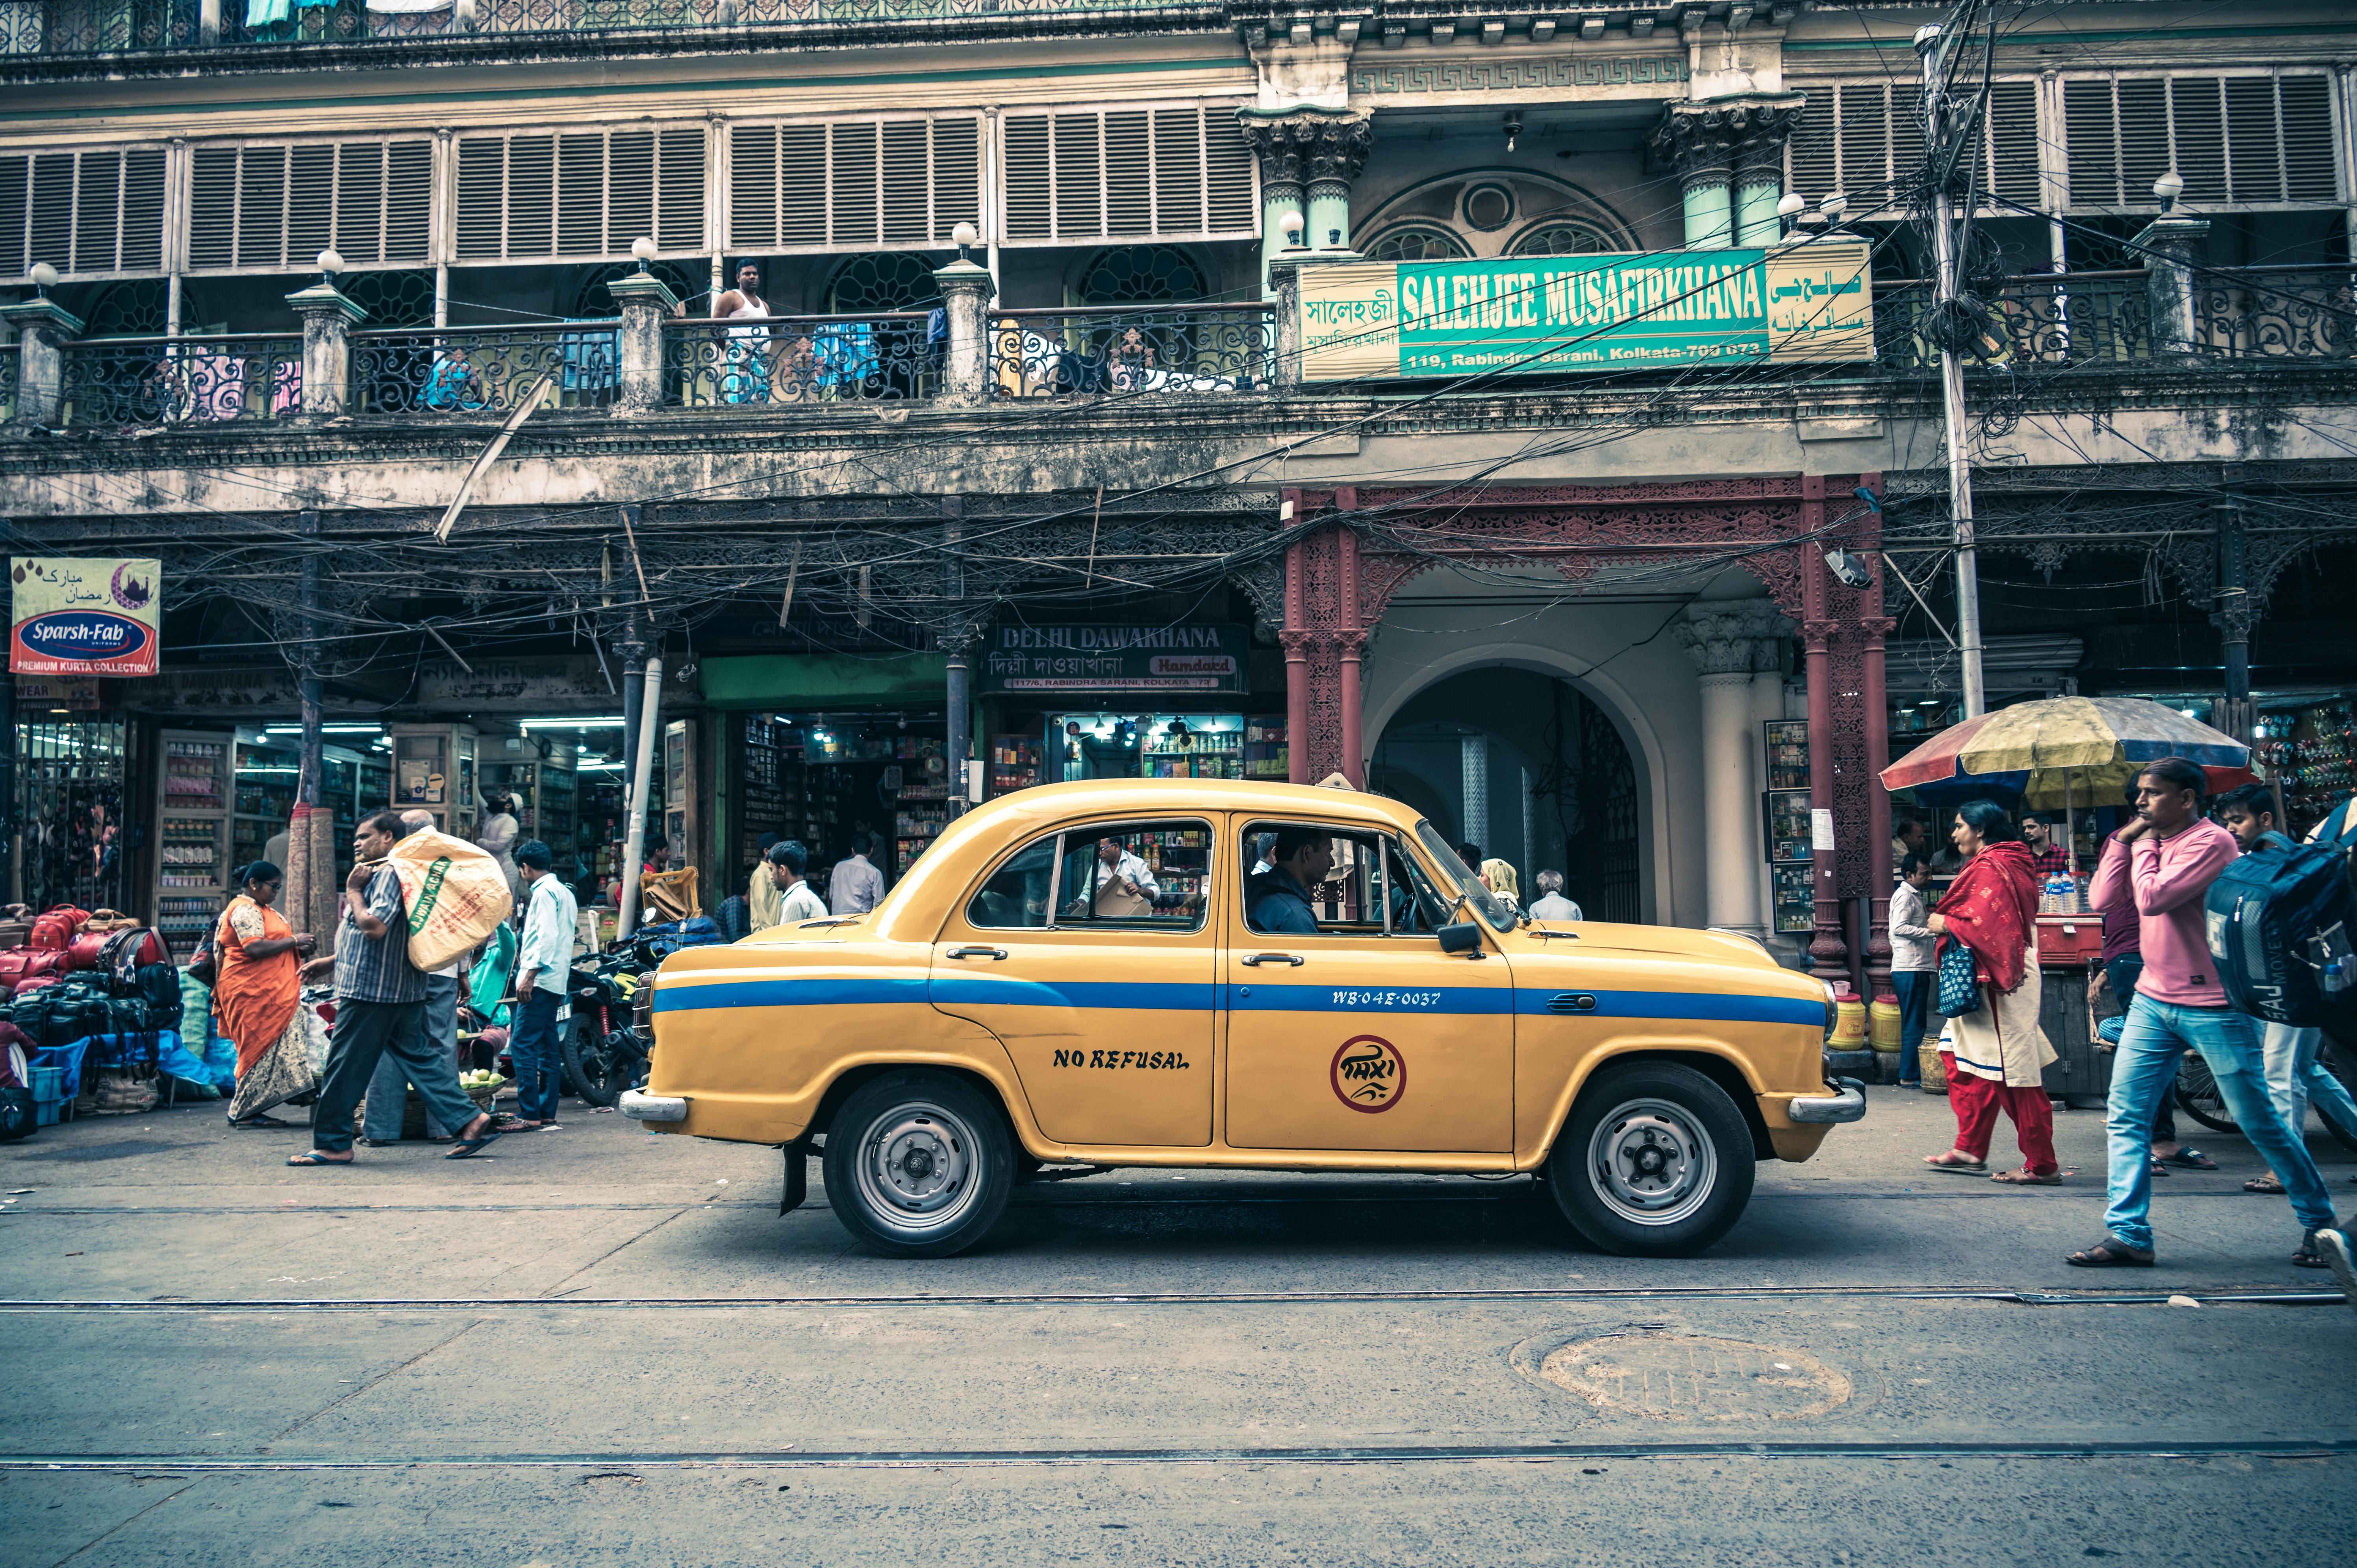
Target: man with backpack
[
  {"x": 2161, "y": 866},
  {"x": 2295, "y": 1072}
]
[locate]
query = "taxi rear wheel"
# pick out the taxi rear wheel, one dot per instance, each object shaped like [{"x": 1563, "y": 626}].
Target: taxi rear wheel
[
  {"x": 1655, "y": 1161},
  {"x": 918, "y": 1163}
]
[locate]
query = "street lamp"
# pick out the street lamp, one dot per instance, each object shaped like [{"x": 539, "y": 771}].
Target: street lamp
[
  {"x": 1789, "y": 209},
  {"x": 643, "y": 249},
  {"x": 967, "y": 237},
  {"x": 44, "y": 277},
  {"x": 2168, "y": 187},
  {"x": 1290, "y": 226},
  {"x": 330, "y": 263}
]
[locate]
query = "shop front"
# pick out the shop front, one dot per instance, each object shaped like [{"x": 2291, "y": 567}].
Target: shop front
[{"x": 1062, "y": 703}]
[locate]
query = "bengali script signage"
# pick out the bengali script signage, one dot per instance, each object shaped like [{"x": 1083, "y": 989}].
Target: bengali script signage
[
  {"x": 1117, "y": 658},
  {"x": 1551, "y": 315},
  {"x": 85, "y": 618}
]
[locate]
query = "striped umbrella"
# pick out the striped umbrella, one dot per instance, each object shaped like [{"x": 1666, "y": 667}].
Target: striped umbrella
[{"x": 2064, "y": 751}]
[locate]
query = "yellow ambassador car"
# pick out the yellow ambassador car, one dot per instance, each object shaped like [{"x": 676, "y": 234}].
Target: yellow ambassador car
[{"x": 1190, "y": 972}]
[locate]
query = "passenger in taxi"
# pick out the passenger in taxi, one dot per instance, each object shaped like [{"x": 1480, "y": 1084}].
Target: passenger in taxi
[
  {"x": 1124, "y": 887},
  {"x": 1277, "y": 899}
]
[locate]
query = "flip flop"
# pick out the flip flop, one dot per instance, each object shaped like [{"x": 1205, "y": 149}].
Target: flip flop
[
  {"x": 315, "y": 1157},
  {"x": 253, "y": 1123},
  {"x": 2111, "y": 1253},
  {"x": 468, "y": 1148},
  {"x": 2265, "y": 1183},
  {"x": 2192, "y": 1158},
  {"x": 2023, "y": 1177},
  {"x": 1948, "y": 1162}
]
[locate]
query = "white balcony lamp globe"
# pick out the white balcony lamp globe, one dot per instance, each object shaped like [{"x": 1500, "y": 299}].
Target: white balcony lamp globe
[
  {"x": 1290, "y": 226},
  {"x": 44, "y": 278},
  {"x": 643, "y": 249},
  {"x": 330, "y": 263},
  {"x": 2168, "y": 187},
  {"x": 1834, "y": 206},
  {"x": 967, "y": 237},
  {"x": 1792, "y": 206}
]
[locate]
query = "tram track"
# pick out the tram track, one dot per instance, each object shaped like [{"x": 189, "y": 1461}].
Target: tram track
[
  {"x": 966, "y": 1300},
  {"x": 160, "y": 1466}
]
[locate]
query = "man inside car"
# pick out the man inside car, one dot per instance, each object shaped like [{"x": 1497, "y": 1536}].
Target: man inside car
[{"x": 1277, "y": 900}]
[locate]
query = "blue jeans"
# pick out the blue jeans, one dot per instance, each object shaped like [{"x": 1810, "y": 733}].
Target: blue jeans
[
  {"x": 539, "y": 1067},
  {"x": 2156, "y": 1035},
  {"x": 1913, "y": 987},
  {"x": 2123, "y": 972},
  {"x": 2298, "y": 1079}
]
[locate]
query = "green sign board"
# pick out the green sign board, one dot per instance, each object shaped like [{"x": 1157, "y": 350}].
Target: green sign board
[
  {"x": 1550, "y": 314},
  {"x": 1117, "y": 658}
]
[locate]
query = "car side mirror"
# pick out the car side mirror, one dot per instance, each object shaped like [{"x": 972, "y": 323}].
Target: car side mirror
[{"x": 1462, "y": 936}]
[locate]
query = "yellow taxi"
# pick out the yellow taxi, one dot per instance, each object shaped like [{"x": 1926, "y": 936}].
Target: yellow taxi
[{"x": 1201, "y": 974}]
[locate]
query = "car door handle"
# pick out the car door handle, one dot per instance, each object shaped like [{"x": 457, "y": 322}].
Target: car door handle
[
  {"x": 1254, "y": 959},
  {"x": 975, "y": 952}
]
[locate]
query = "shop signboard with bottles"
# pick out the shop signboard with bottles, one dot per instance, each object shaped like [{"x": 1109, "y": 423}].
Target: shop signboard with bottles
[{"x": 1786, "y": 826}]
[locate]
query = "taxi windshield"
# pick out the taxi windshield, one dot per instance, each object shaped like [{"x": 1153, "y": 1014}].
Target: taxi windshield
[{"x": 1493, "y": 909}]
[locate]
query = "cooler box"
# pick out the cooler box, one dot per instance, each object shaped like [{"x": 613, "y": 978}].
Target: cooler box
[{"x": 2070, "y": 939}]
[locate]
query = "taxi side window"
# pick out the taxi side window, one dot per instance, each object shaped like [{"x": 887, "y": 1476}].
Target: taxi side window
[
  {"x": 1151, "y": 874},
  {"x": 1016, "y": 896},
  {"x": 1308, "y": 879}
]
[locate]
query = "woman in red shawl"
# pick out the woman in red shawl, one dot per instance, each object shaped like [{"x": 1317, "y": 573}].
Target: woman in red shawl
[
  {"x": 1996, "y": 1056},
  {"x": 258, "y": 985}
]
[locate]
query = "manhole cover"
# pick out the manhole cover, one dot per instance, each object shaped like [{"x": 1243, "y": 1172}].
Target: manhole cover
[{"x": 1692, "y": 1377}]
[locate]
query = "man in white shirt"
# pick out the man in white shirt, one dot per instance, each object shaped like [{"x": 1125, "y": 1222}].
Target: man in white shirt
[
  {"x": 543, "y": 971},
  {"x": 788, "y": 860},
  {"x": 855, "y": 884},
  {"x": 388, "y": 1089},
  {"x": 1914, "y": 962},
  {"x": 1550, "y": 905},
  {"x": 1125, "y": 886}
]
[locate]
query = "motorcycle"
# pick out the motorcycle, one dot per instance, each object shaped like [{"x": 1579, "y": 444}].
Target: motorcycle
[{"x": 604, "y": 1053}]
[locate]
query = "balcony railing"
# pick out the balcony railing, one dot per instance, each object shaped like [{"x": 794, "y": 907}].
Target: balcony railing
[
  {"x": 1206, "y": 348},
  {"x": 128, "y": 381},
  {"x": 2269, "y": 313},
  {"x": 2051, "y": 319},
  {"x": 483, "y": 372},
  {"x": 105, "y": 27},
  {"x": 886, "y": 357}
]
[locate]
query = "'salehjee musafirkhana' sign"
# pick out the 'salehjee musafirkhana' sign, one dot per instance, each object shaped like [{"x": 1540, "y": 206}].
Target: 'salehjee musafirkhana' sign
[
  {"x": 1550, "y": 314},
  {"x": 84, "y": 616}
]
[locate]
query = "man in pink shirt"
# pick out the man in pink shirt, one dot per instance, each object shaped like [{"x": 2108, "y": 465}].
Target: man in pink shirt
[{"x": 2160, "y": 865}]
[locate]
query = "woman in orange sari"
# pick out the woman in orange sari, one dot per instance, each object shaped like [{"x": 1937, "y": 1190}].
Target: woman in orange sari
[{"x": 256, "y": 989}]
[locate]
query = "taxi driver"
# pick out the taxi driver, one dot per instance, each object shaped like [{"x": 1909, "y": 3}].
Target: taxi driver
[{"x": 1277, "y": 899}]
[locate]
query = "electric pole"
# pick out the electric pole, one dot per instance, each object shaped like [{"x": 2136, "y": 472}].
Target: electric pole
[{"x": 1932, "y": 43}]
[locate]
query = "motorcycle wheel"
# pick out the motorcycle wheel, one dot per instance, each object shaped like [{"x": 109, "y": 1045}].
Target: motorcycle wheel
[
  {"x": 2198, "y": 1096},
  {"x": 591, "y": 1071}
]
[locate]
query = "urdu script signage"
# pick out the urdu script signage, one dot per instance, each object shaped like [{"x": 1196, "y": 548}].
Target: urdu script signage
[
  {"x": 1553, "y": 315},
  {"x": 1117, "y": 658}
]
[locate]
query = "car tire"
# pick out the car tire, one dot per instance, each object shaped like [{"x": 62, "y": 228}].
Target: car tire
[
  {"x": 918, "y": 1163},
  {"x": 1655, "y": 1161}
]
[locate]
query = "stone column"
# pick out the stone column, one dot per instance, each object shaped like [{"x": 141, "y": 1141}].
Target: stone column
[
  {"x": 645, "y": 299},
  {"x": 1312, "y": 151},
  {"x": 328, "y": 321},
  {"x": 1284, "y": 288},
  {"x": 1875, "y": 628},
  {"x": 1293, "y": 637},
  {"x": 42, "y": 325},
  {"x": 1725, "y": 639},
  {"x": 1707, "y": 141},
  {"x": 1473, "y": 758},
  {"x": 966, "y": 291},
  {"x": 2168, "y": 244}
]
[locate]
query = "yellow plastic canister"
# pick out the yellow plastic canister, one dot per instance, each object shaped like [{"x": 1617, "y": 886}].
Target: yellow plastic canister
[
  {"x": 1882, "y": 1019},
  {"x": 1849, "y": 1025}
]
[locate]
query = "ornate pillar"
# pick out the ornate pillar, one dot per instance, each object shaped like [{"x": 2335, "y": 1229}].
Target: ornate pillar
[
  {"x": 1350, "y": 643},
  {"x": 2168, "y": 243},
  {"x": 966, "y": 288},
  {"x": 644, "y": 300},
  {"x": 1875, "y": 628},
  {"x": 43, "y": 327},
  {"x": 1305, "y": 153},
  {"x": 1725, "y": 639},
  {"x": 328, "y": 320},
  {"x": 1293, "y": 637},
  {"x": 1728, "y": 154},
  {"x": 1829, "y": 953}
]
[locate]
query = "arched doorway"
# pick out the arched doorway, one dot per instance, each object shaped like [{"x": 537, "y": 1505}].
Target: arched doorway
[{"x": 1530, "y": 768}]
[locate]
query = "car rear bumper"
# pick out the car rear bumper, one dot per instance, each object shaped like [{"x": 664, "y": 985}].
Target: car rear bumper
[
  {"x": 641, "y": 1107},
  {"x": 1849, "y": 1105}
]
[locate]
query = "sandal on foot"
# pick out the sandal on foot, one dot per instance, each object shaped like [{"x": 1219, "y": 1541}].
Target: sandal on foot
[
  {"x": 316, "y": 1157},
  {"x": 2192, "y": 1158},
  {"x": 2267, "y": 1183},
  {"x": 252, "y": 1122},
  {"x": 1956, "y": 1160},
  {"x": 468, "y": 1148},
  {"x": 2024, "y": 1176},
  {"x": 2309, "y": 1255},
  {"x": 2111, "y": 1253}
]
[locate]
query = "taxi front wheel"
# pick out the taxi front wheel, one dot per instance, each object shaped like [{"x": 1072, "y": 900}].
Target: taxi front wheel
[
  {"x": 1655, "y": 1161},
  {"x": 918, "y": 1163}
]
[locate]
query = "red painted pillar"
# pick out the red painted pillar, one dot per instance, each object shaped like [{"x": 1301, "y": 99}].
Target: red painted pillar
[
  {"x": 1878, "y": 801},
  {"x": 1295, "y": 639},
  {"x": 1350, "y": 640},
  {"x": 1828, "y": 954}
]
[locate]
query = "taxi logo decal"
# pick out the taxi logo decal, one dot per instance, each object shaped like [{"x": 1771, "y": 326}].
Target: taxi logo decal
[{"x": 1369, "y": 1074}]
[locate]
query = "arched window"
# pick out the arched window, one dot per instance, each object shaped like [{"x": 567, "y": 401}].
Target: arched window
[
  {"x": 886, "y": 280},
  {"x": 596, "y": 302},
  {"x": 1415, "y": 243},
  {"x": 136, "y": 307},
  {"x": 1140, "y": 275},
  {"x": 391, "y": 299},
  {"x": 1561, "y": 237}
]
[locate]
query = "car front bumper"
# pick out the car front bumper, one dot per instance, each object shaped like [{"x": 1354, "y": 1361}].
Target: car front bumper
[
  {"x": 641, "y": 1107},
  {"x": 1849, "y": 1105}
]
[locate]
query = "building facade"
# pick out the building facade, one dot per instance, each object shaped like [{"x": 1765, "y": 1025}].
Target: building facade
[{"x": 927, "y": 507}]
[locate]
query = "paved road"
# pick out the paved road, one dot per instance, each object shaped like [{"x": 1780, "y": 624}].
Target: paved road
[{"x": 601, "y": 1346}]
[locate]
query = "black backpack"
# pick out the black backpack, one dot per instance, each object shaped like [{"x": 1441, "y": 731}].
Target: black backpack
[{"x": 19, "y": 1114}]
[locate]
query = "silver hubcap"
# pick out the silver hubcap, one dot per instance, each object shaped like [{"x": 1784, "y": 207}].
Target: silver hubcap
[
  {"x": 1651, "y": 1161},
  {"x": 916, "y": 1168}
]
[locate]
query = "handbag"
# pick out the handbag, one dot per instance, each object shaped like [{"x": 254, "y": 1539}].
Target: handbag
[{"x": 1959, "y": 993}]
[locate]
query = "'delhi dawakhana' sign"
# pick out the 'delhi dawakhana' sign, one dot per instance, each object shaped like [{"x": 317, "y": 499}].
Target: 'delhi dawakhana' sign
[{"x": 85, "y": 618}]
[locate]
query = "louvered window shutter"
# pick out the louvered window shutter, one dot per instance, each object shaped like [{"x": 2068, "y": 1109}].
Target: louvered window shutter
[
  {"x": 274, "y": 207},
  {"x": 579, "y": 194},
  {"x": 1810, "y": 167},
  {"x": 853, "y": 184},
  {"x": 1171, "y": 173},
  {"x": 88, "y": 213},
  {"x": 679, "y": 192},
  {"x": 2245, "y": 140},
  {"x": 2012, "y": 142}
]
